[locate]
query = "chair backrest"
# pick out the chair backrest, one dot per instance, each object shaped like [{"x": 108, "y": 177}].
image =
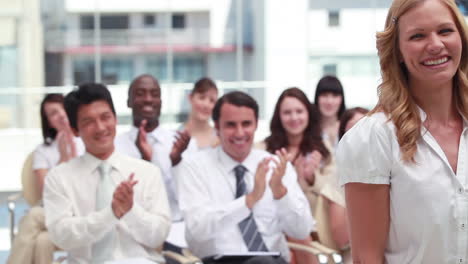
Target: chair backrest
[{"x": 29, "y": 182}]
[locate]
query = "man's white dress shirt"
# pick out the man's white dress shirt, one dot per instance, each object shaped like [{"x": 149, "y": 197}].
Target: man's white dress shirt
[
  {"x": 207, "y": 186},
  {"x": 162, "y": 141},
  {"x": 74, "y": 224},
  {"x": 428, "y": 200}
]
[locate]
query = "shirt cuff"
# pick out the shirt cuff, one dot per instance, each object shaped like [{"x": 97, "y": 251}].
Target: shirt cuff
[
  {"x": 367, "y": 180},
  {"x": 107, "y": 216},
  {"x": 239, "y": 210},
  {"x": 286, "y": 201},
  {"x": 133, "y": 216}
]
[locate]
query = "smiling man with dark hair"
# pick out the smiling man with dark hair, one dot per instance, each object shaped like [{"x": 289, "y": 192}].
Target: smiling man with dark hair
[
  {"x": 236, "y": 199},
  {"x": 104, "y": 206},
  {"x": 149, "y": 141}
]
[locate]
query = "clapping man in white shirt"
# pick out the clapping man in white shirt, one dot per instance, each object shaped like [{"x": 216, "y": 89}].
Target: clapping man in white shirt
[
  {"x": 239, "y": 200},
  {"x": 104, "y": 206},
  {"x": 149, "y": 141}
]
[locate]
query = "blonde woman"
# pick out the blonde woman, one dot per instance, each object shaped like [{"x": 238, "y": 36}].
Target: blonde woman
[{"x": 404, "y": 166}]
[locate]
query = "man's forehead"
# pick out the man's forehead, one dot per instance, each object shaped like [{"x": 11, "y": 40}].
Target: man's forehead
[
  {"x": 234, "y": 113},
  {"x": 96, "y": 107},
  {"x": 146, "y": 83}
]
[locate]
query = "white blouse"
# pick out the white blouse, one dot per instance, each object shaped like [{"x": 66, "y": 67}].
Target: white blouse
[
  {"x": 48, "y": 156},
  {"x": 428, "y": 201}
]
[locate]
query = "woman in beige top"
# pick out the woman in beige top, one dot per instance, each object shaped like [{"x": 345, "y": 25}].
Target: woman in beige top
[{"x": 295, "y": 126}]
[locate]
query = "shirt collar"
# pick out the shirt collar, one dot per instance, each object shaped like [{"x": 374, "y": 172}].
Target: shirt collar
[
  {"x": 91, "y": 162},
  {"x": 228, "y": 163},
  {"x": 423, "y": 116}
]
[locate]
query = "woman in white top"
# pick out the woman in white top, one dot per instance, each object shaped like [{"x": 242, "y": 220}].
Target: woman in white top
[
  {"x": 202, "y": 100},
  {"x": 60, "y": 145},
  {"x": 295, "y": 126},
  {"x": 198, "y": 128},
  {"x": 32, "y": 243},
  {"x": 330, "y": 100},
  {"x": 404, "y": 167}
]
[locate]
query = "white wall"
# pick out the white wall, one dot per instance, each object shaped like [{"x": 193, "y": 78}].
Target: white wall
[
  {"x": 126, "y": 6},
  {"x": 355, "y": 34},
  {"x": 284, "y": 32},
  {"x": 351, "y": 46}
]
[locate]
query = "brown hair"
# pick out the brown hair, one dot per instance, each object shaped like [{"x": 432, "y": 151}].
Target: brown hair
[
  {"x": 48, "y": 132},
  {"x": 348, "y": 115},
  {"x": 203, "y": 85},
  {"x": 312, "y": 139}
]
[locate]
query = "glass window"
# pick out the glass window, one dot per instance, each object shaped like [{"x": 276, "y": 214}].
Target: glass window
[
  {"x": 149, "y": 20},
  {"x": 8, "y": 66},
  {"x": 333, "y": 18},
  {"x": 178, "y": 21},
  {"x": 114, "y": 22},
  {"x": 87, "y": 22},
  {"x": 113, "y": 70},
  {"x": 188, "y": 69},
  {"x": 117, "y": 70},
  {"x": 329, "y": 69},
  {"x": 107, "y": 22},
  {"x": 157, "y": 66},
  {"x": 83, "y": 70}
]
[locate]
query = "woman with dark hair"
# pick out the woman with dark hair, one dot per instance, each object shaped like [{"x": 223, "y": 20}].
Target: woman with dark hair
[
  {"x": 349, "y": 118},
  {"x": 295, "y": 126},
  {"x": 329, "y": 97},
  {"x": 32, "y": 243},
  {"x": 59, "y": 143}
]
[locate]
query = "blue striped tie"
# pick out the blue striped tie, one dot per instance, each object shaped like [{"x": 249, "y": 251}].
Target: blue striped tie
[{"x": 248, "y": 227}]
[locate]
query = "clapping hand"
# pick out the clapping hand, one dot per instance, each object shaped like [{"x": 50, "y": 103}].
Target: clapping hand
[
  {"x": 276, "y": 181},
  {"x": 180, "y": 145},
  {"x": 142, "y": 143},
  {"x": 260, "y": 183},
  {"x": 122, "y": 200},
  {"x": 306, "y": 166},
  {"x": 66, "y": 145}
]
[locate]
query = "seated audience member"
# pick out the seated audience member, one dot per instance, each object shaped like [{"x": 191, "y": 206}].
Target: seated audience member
[
  {"x": 149, "y": 141},
  {"x": 104, "y": 206},
  {"x": 333, "y": 231},
  {"x": 349, "y": 118},
  {"x": 32, "y": 243},
  {"x": 295, "y": 126},
  {"x": 236, "y": 199},
  {"x": 330, "y": 100},
  {"x": 202, "y": 100}
]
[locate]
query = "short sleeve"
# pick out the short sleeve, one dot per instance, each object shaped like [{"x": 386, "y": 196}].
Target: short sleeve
[
  {"x": 40, "y": 159},
  {"x": 365, "y": 152}
]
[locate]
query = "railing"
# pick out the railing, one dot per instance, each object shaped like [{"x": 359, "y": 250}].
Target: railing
[{"x": 59, "y": 39}]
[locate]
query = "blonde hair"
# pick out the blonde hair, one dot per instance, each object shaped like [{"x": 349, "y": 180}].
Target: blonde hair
[{"x": 395, "y": 99}]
